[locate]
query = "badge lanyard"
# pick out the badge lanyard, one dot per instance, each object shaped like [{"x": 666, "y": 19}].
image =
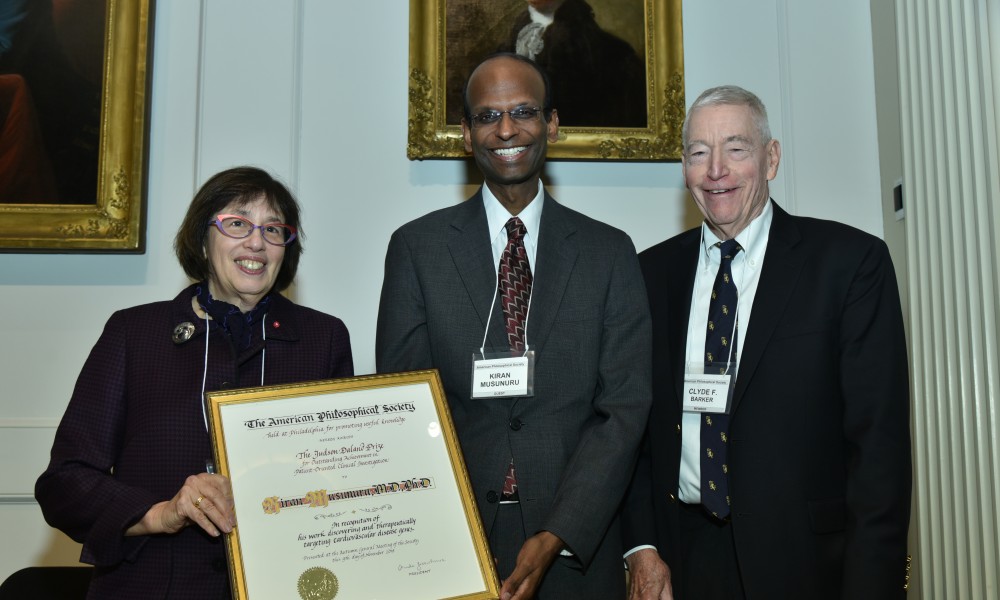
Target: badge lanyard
[
  {"x": 503, "y": 374},
  {"x": 711, "y": 392},
  {"x": 204, "y": 370}
]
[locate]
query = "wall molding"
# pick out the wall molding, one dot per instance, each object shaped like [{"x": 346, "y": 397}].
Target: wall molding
[
  {"x": 299, "y": 34},
  {"x": 16, "y": 499},
  {"x": 28, "y": 423},
  {"x": 199, "y": 95},
  {"x": 790, "y": 199},
  {"x": 24, "y": 453}
]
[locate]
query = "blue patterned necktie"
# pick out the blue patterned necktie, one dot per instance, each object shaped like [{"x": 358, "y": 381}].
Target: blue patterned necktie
[{"x": 720, "y": 345}]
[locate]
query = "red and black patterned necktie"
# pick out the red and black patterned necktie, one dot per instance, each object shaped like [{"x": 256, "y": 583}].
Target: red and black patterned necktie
[
  {"x": 515, "y": 283},
  {"x": 515, "y": 291}
]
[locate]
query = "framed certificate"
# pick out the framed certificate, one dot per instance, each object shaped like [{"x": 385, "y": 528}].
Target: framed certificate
[{"x": 349, "y": 489}]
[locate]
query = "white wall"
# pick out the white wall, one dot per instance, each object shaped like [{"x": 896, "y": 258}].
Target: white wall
[{"x": 315, "y": 91}]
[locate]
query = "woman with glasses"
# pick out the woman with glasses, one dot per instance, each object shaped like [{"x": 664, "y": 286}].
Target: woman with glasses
[{"x": 130, "y": 475}]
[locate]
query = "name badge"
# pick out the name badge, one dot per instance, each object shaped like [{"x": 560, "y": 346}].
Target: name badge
[
  {"x": 503, "y": 374},
  {"x": 707, "y": 393}
]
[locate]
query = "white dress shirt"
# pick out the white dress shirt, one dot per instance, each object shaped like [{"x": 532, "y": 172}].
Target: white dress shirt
[
  {"x": 496, "y": 219},
  {"x": 746, "y": 269}
]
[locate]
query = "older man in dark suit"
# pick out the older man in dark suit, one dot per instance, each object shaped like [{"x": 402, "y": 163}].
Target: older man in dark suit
[
  {"x": 777, "y": 461},
  {"x": 548, "y": 462}
]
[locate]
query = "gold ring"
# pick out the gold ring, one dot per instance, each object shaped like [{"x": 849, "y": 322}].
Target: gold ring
[{"x": 197, "y": 503}]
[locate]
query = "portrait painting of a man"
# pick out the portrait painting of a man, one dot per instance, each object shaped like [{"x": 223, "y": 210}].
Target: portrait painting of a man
[{"x": 592, "y": 50}]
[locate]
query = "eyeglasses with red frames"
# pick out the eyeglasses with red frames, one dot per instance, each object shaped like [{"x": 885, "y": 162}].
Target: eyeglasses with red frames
[{"x": 237, "y": 227}]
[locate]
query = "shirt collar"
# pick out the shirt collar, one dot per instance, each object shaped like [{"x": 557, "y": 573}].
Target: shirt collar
[
  {"x": 540, "y": 17},
  {"x": 497, "y": 216},
  {"x": 753, "y": 238}
]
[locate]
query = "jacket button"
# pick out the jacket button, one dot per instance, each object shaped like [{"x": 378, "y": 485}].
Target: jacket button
[
  {"x": 515, "y": 423},
  {"x": 225, "y": 385},
  {"x": 678, "y": 429},
  {"x": 672, "y": 497},
  {"x": 491, "y": 497}
]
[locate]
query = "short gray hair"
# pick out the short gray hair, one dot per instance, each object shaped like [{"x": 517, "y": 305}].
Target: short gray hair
[{"x": 731, "y": 95}]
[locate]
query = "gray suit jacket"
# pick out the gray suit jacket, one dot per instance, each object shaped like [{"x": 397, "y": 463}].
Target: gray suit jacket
[{"x": 575, "y": 441}]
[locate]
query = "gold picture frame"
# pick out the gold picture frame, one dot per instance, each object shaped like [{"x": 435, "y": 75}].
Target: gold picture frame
[
  {"x": 352, "y": 487},
  {"x": 430, "y": 135},
  {"x": 114, "y": 221}
]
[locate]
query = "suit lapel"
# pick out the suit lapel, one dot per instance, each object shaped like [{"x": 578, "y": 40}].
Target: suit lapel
[
  {"x": 782, "y": 266},
  {"x": 554, "y": 260},
  {"x": 679, "y": 286},
  {"x": 469, "y": 244}
]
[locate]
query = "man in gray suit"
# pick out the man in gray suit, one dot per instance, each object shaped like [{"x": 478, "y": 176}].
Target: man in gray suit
[{"x": 548, "y": 462}]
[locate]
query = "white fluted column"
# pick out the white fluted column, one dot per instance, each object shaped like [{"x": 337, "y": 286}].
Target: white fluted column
[{"x": 950, "y": 163}]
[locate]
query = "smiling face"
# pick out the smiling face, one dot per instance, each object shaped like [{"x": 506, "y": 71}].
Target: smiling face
[
  {"x": 241, "y": 272},
  {"x": 727, "y": 166},
  {"x": 509, "y": 153}
]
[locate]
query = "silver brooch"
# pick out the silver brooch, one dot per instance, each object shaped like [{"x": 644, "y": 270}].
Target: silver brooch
[{"x": 183, "y": 332}]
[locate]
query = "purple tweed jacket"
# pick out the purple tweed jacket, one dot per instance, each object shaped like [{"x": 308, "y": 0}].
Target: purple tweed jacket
[{"x": 134, "y": 430}]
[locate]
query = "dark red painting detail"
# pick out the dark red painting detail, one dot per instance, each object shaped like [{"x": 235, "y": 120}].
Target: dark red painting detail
[{"x": 51, "y": 64}]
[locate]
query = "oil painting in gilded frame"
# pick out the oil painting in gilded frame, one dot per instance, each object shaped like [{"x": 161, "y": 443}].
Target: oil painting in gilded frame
[
  {"x": 448, "y": 37},
  {"x": 353, "y": 487},
  {"x": 97, "y": 202}
]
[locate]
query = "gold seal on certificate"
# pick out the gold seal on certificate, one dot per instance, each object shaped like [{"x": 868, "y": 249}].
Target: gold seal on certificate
[
  {"x": 317, "y": 583},
  {"x": 362, "y": 477}
]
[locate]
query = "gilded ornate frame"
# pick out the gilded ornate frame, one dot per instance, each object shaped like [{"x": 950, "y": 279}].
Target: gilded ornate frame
[
  {"x": 429, "y": 136},
  {"x": 114, "y": 222}
]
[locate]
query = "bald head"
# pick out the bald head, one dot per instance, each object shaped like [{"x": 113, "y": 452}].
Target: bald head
[{"x": 546, "y": 87}]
